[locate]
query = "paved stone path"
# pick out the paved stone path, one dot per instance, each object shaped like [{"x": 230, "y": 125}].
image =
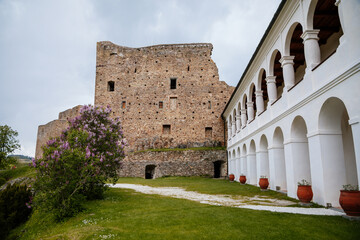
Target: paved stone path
[{"x": 267, "y": 204}]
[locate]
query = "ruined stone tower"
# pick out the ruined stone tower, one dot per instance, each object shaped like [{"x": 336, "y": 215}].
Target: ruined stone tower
[{"x": 167, "y": 97}]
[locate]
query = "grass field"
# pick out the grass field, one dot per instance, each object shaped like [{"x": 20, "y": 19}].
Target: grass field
[
  {"x": 21, "y": 170},
  {"x": 125, "y": 214},
  {"x": 207, "y": 185}
]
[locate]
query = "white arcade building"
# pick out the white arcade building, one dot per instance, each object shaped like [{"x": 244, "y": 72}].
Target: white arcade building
[{"x": 295, "y": 112}]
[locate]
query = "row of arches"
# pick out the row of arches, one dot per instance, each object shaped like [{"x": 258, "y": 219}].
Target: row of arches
[
  {"x": 326, "y": 158},
  {"x": 308, "y": 41}
]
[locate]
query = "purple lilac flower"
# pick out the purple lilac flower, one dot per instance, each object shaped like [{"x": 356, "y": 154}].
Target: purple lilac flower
[
  {"x": 33, "y": 162},
  {"x": 88, "y": 153}
]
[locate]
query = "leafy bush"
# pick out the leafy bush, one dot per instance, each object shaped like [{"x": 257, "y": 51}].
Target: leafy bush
[
  {"x": 15, "y": 207},
  {"x": 75, "y": 166},
  {"x": 2, "y": 181}
]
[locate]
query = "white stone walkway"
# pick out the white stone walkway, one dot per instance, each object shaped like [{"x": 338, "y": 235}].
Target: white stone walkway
[{"x": 267, "y": 204}]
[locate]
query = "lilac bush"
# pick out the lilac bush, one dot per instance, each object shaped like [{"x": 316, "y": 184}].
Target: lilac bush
[{"x": 75, "y": 166}]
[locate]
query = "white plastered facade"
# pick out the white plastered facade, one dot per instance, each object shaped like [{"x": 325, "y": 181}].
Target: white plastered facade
[{"x": 311, "y": 130}]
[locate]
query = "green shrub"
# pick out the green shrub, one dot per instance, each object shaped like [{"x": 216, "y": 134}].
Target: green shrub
[
  {"x": 15, "y": 207},
  {"x": 2, "y": 181},
  {"x": 75, "y": 166}
]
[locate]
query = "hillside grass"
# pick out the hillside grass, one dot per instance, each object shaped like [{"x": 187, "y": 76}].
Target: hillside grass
[
  {"x": 21, "y": 170},
  {"x": 125, "y": 214}
]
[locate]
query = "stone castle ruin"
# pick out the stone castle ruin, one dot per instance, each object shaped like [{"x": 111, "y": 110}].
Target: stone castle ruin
[{"x": 167, "y": 97}]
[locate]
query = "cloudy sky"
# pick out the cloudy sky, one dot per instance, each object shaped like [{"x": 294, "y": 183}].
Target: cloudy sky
[{"x": 48, "y": 47}]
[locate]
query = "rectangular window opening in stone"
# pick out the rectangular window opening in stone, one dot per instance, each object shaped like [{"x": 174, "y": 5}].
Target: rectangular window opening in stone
[
  {"x": 166, "y": 129},
  {"x": 209, "y": 104},
  {"x": 111, "y": 86},
  {"x": 123, "y": 104},
  {"x": 208, "y": 132},
  {"x": 172, "y": 83},
  {"x": 161, "y": 104},
  {"x": 173, "y": 104}
]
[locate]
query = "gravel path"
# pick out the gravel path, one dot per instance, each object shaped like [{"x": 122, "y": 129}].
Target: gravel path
[{"x": 267, "y": 204}]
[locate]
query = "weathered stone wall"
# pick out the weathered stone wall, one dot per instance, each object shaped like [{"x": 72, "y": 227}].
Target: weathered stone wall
[
  {"x": 174, "y": 163},
  {"x": 144, "y": 101},
  {"x": 54, "y": 128},
  {"x": 136, "y": 83}
]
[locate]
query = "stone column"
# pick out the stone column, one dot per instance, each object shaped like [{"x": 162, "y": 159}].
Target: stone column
[
  {"x": 287, "y": 64},
  {"x": 250, "y": 109},
  {"x": 229, "y": 130},
  {"x": 355, "y": 128},
  {"x": 271, "y": 87},
  {"x": 243, "y": 117},
  {"x": 326, "y": 154},
  {"x": 233, "y": 128},
  {"x": 311, "y": 47},
  {"x": 238, "y": 122},
  {"x": 259, "y": 102}
]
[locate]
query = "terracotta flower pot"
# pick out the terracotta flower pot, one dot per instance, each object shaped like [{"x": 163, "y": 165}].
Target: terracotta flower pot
[
  {"x": 350, "y": 202},
  {"x": 305, "y": 193},
  {"x": 231, "y": 177},
  {"x": 242, "y": 179},
  {"x": 264, "y": 183}
]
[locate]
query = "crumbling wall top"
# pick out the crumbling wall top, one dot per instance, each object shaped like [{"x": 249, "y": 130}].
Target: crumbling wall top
[{"x": 70, "y": 113}]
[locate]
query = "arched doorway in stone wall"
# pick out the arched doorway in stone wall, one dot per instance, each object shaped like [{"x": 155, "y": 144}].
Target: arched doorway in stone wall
[
  {"x": 218, "y": 168},
  {"x": 150, "y": 171}
]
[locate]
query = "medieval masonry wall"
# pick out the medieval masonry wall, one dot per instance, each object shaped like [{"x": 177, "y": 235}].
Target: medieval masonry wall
[
  {"x": 54, "y": 128},
  {"x": 167, "y": 96}
]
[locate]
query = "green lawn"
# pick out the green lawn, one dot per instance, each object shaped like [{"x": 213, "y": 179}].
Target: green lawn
[
  {"x": 208, "y": 186},
  {"x": 125, "y": 214}
]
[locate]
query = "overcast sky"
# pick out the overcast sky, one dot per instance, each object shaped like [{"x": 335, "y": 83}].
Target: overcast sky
[{"x": 48, "y": 47}]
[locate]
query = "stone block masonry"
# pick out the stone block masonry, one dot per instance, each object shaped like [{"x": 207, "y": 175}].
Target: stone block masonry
[
  {"x": 167, "y": 96},
  {"x": 175, "y": 163},
  {"x": 54, "y": 128}
]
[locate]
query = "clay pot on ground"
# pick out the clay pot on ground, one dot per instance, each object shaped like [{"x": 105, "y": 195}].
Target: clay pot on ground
[
  {"x": 242, "y": 179},
  {"x": 263, "y": 183},
  {"x": 305, "y": 193},
  {"x": 231, "y": 177},
  {"x": 350, "y": 202}
]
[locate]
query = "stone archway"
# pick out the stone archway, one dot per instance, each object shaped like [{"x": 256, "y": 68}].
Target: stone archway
[
  {"x": 278, "y": 158},
  {"x": 263, "y": 158},
  {"x": 298, "y": 156},
  {"x": 218, "y": 168},
  {"x": 251, "y": 164},
  {"x": 150, "y": 171}
]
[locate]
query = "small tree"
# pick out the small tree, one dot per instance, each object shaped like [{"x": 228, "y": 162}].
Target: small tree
[
  {"x": 8, "y": 144},
  {"x": 76, "y": 165}
]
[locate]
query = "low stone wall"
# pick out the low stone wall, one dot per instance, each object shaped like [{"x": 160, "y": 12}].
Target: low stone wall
[{"x": 175, "y": 163}]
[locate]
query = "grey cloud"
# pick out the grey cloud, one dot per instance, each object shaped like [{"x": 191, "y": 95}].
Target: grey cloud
[{"x": 48, "y": 47}]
